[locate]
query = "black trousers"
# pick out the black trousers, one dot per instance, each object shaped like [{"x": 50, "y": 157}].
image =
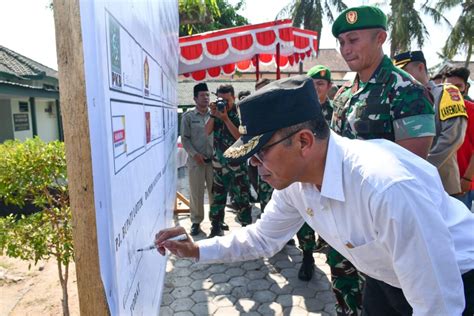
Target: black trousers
[{"x": 379, "y": 298}]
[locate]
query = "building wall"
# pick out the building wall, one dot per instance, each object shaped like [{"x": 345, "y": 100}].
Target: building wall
[
  {"x": 6, "y": 124},
  {"x": 52, "y": 83},
  {"x": 15, "y": 109},
  {"x": 47, "y": 120}
]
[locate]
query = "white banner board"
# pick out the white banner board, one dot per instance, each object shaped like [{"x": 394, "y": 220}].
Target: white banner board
[{"x": 130, "y": 60}]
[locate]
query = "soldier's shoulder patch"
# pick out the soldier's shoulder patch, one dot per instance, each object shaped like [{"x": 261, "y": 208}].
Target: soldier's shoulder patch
[
  {"x": 451, "y": 103},
  {"x": 344, "y": 87}
]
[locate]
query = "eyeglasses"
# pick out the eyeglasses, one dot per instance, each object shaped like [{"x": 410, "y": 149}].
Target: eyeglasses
[{"x": 260, "y": 155}]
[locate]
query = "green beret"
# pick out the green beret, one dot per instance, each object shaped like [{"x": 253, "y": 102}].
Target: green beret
[
  {"x": 359, "y": 18},
  {"x": 320, "y": 72}
]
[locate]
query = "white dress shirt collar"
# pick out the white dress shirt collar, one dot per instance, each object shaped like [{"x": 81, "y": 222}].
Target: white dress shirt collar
[{"x": 332, "y": 187}]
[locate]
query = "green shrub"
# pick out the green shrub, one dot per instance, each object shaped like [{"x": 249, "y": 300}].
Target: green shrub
[{"x": 35, "y": 172}]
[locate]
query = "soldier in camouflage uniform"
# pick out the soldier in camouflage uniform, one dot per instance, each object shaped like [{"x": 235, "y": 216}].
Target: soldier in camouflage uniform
[
  {"x": 321, "y": 76},
  {"x": 227, "y": 176},
  {"x": 264, "y": 190},
  {"x": 382, "y": 102}
]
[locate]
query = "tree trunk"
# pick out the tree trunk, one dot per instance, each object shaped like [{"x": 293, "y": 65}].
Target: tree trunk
[{"x": 63, "y": 282}]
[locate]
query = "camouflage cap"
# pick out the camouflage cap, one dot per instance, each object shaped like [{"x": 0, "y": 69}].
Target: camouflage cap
[
  {"x": 401, "y": 60},
  {"x": 359, "y": 18},
  {"x": 320, "y": 72}
]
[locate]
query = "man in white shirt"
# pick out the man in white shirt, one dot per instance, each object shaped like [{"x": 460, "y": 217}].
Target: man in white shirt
[{"x": 379, "y": 205}]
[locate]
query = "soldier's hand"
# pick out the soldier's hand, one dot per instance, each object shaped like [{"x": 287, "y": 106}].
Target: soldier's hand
[
  {"x": 213, "y": 108},
  {"x": 183, "y": 249},
  {"x": 222, "y": 115},
  {"x": 199, "y": 159},
  {"x": 218, "y": 114}
]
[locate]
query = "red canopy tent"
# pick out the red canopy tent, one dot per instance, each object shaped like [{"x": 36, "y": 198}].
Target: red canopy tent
[{"x": 243, "y": 48}]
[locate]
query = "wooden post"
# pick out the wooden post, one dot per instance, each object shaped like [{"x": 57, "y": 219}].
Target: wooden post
[
  {"x": 278, "y": 61},
  {"x": 257, "y": 67},
  {"x": 34, "y": 124},
  {"x": 92, "y": 299},
  {"x": 181, "y": 199}
]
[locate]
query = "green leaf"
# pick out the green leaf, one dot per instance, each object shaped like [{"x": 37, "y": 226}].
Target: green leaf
[{"x": 34, "y": 172}]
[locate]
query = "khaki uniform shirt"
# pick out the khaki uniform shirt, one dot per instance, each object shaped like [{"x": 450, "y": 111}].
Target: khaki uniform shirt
[{"x": 194, "y": 136}]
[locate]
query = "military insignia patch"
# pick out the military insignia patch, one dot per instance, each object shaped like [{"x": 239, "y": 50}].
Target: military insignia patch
[{"x": 351, "y": 17}]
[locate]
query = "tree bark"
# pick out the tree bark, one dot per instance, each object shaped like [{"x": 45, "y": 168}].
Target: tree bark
[{"x": 70, "y": 51}]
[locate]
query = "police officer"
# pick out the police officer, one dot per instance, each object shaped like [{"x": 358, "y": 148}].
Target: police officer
[
  {"x": 382, "y": 102},
  {"x": 450, "y": 118},
  {"x": 223, "y": 124}
]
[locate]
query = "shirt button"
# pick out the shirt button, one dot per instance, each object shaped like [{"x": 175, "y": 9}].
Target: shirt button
[{"x": 309, "y": 211}]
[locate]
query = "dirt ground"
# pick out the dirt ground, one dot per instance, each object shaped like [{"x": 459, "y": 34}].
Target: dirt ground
[{"x": 34, "y": 291}]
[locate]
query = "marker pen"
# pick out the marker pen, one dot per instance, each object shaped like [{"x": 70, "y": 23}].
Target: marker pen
[{"x": 175, "y": 238}]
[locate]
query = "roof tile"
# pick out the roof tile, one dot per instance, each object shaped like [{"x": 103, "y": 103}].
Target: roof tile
[{"x": 20, "y": 66}]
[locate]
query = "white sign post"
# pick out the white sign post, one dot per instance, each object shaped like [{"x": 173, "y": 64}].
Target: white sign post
[{"x": 129, "y": 54}]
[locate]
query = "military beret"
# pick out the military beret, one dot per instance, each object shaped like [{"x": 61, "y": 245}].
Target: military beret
[
  {"x": 279, "y": 104},
  {"x": 401, "y": 60},
  {"x": 320, "y": 72},
  {"x": 359, "y": 18}
]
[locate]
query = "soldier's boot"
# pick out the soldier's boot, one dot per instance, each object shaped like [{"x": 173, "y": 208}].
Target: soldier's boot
[
  {"x": 216, "y": 230},
  {"x": 307, "y": 266},
  {"x": 224, "y": 226}
]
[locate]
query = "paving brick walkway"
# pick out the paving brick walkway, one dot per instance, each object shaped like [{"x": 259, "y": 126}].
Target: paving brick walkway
[{"x": 267, "y": 286}]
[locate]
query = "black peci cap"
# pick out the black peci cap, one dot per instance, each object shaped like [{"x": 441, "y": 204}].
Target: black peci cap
[{"x": 200, "y": 87}]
